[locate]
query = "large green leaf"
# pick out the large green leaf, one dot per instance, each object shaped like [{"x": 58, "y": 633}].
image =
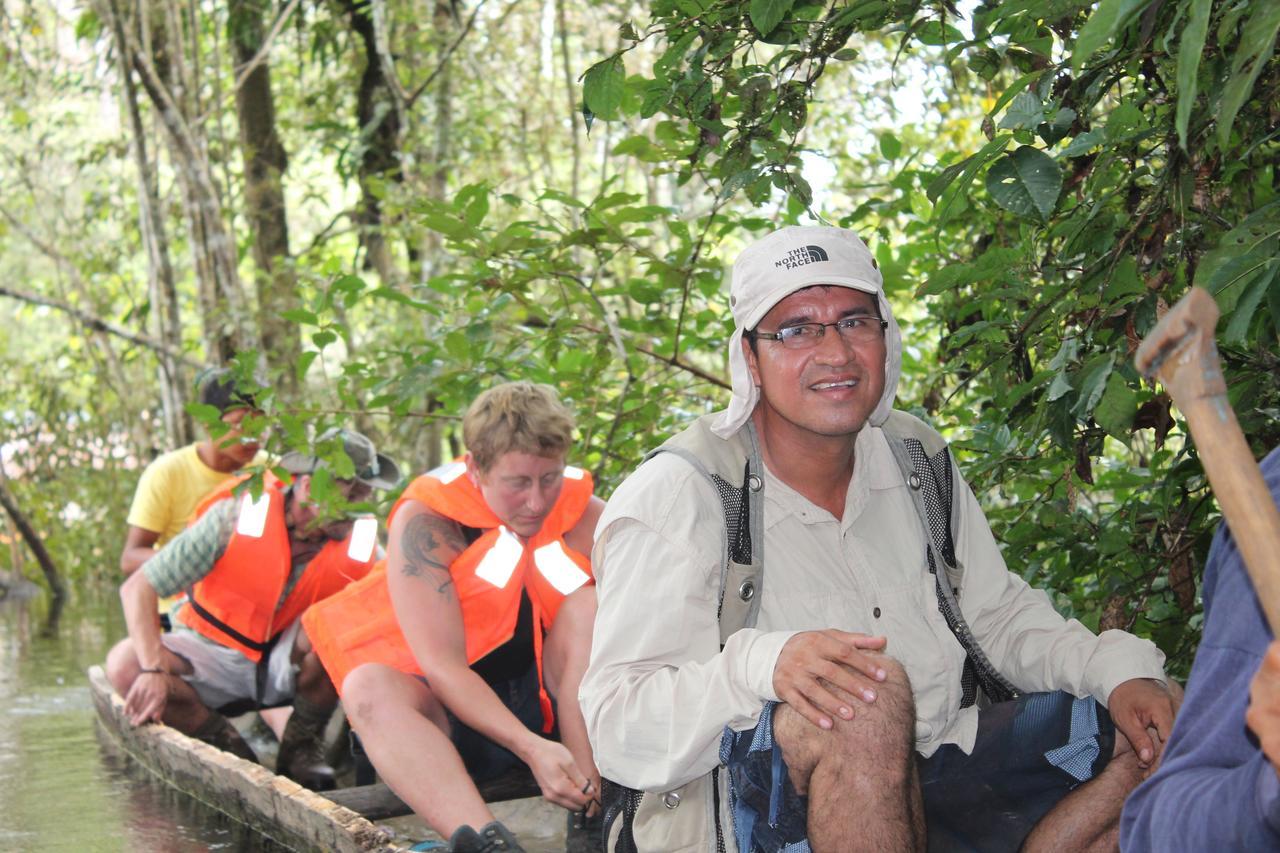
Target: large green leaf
[
  {"x": 1247, "y": 306},
  {"x": 1244, "y": 253},
  {"x": 1026, "y": 182},
  {"x": 1025, "y": 111},
  {"x": 1083, "y": 143},
  {"x": 1189, "y": 64},
  {"x": 604, "y": 86},
  {"x": 767, "y": 14},
  {"x": 1117, "y": 407},
  {"x": 1059, "y": 387},
  {"x": 1257, "y": 43},
  {"x": 1092, "y": 382}
]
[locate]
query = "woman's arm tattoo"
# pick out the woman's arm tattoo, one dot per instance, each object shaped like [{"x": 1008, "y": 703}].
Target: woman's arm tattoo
[{"x": 424, "y": 539}]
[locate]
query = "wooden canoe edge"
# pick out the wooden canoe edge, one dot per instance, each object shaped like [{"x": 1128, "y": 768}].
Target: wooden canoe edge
[
  {"x": 273, "y": 805},
  {"x": 378, "y": 802}
]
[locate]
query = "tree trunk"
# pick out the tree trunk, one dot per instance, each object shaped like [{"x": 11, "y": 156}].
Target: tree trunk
[
  {"x": 153, "y": 46},
  {"x": 56, "y": 589},
  {"x": 430, "y": 440},
  {"x": 265, "y": 162},
  {"x": 379, "y": 121},
  {"x": 571, "y": 91},
  {"x": 160, "y": 279}
]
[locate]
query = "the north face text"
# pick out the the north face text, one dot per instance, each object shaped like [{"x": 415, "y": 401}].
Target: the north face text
[{"x": 800, "y": 257}]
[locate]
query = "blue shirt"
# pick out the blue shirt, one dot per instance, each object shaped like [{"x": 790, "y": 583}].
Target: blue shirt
[{"x": 1215, "y": 790}]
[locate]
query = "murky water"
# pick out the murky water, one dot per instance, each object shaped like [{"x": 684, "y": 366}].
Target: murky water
[{"x": 61, "y": 786}]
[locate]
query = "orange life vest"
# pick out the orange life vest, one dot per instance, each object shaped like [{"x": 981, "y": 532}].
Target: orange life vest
[
  {"x": 359, "y": 625},
  {"x": 235, "y": 603}
]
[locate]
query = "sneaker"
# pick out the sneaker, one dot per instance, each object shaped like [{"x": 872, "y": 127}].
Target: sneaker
[
  {"x": 491, "y": 838},
  {"x": 584, "y": 834}
]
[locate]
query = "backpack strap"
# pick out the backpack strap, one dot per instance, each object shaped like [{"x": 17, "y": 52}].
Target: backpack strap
[
  {"x": 734, "y": 470},
  {"x": 925, "y": 461}
]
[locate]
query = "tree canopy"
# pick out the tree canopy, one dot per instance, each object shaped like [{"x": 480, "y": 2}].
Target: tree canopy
[{"x": 377, "y": 208}]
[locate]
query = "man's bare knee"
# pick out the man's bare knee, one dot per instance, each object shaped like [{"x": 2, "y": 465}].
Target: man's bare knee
[
  {"x": 122, "y": 666},
  {"x": 879, "y": 735},
  {"x": 361, "y": 693},
  {"x": 372, "y": 690},
  {"x": 894, "y": 709}
]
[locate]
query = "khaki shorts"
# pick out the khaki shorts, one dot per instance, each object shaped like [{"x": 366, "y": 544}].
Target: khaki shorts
[{"x": 221, "y": 675}]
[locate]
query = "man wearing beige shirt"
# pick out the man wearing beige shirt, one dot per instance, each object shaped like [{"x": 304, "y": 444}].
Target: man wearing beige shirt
[{"x": 845, "y": 716}]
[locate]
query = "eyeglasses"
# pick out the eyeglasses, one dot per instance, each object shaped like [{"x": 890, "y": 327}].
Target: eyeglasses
[{"x": 860, "y": 329}]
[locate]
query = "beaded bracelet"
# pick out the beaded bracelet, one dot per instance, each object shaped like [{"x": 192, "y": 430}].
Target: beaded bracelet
[{"x": 145, "y": 671}]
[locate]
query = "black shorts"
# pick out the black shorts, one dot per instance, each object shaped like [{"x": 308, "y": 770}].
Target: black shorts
[{"x": 483, "y": 758}]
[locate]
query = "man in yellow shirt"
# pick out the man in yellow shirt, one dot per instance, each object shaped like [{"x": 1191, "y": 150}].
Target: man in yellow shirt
[{"x": 172, "y": 485}]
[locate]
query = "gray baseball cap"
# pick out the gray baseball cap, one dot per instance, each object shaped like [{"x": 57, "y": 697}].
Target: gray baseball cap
[{"x": 372, "y": 468}]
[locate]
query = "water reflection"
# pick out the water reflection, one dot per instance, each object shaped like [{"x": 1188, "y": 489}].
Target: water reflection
[{"x": 62, "y": 787}]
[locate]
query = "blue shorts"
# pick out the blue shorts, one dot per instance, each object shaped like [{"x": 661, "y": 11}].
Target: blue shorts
[{"x": 1028, "y": 755}]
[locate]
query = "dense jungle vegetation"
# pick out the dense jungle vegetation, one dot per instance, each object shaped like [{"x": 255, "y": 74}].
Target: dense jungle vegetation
[{"x": 379, "y": 207}]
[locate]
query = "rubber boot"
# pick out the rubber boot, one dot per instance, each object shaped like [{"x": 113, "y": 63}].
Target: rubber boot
[
  {"x": 217, "y": 731},
  {"x": 491, "y": 838},
  {"x": 301, "y": 755}
]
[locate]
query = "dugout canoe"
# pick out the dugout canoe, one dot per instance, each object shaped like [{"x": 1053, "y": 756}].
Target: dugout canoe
[
  {"x": 279, "y": 808},
  {"x": 272, "y": 805}
]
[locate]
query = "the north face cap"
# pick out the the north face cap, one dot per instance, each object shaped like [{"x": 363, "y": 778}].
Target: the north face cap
[
  {"x": 792, "y": 259},
  {"x": 773, "y": 268}
]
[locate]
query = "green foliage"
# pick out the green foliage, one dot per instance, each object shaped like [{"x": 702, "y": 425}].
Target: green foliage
[
  {"x": 65, "y": 474},
  {"x": 1073, "y": 169},
  {"x": 1129, "y": 151}
]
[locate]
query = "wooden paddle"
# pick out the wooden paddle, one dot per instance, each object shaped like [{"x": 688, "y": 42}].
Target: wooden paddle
[{"x": 1182, "y": 354}]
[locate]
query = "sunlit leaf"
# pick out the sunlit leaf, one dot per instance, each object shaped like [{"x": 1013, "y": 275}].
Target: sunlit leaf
[
  {"x": 890, "y": 146},
  {"x": 603, "y": 87},
  {"x": 767, "y": 14},
  {"x": 1083, "y": 144},
  {"x": 1107, "y": 19}
]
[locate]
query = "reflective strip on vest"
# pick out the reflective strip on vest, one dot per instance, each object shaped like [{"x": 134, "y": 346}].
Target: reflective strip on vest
[
  {"x": 558, "y": 568},
  {"x": 364, "y": 536},
  {"x": 573, "y": 472},
  {"x": 253, "y": 515},
  {"x": 500, "y": 561},
  {"x": 449, "y": 472}
]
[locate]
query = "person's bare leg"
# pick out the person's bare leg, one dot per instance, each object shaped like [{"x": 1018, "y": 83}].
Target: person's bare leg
[
  {"x": 183, "y": 711},
  {"x": 276, "y": 719},
  {"x": 860, "y": 776},
  {"x": 1088, "y": 818},
  {"x": 565, "y": 654},
  {"x": 313, "y": 680},
  {"x": 405, "y": 732}
]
